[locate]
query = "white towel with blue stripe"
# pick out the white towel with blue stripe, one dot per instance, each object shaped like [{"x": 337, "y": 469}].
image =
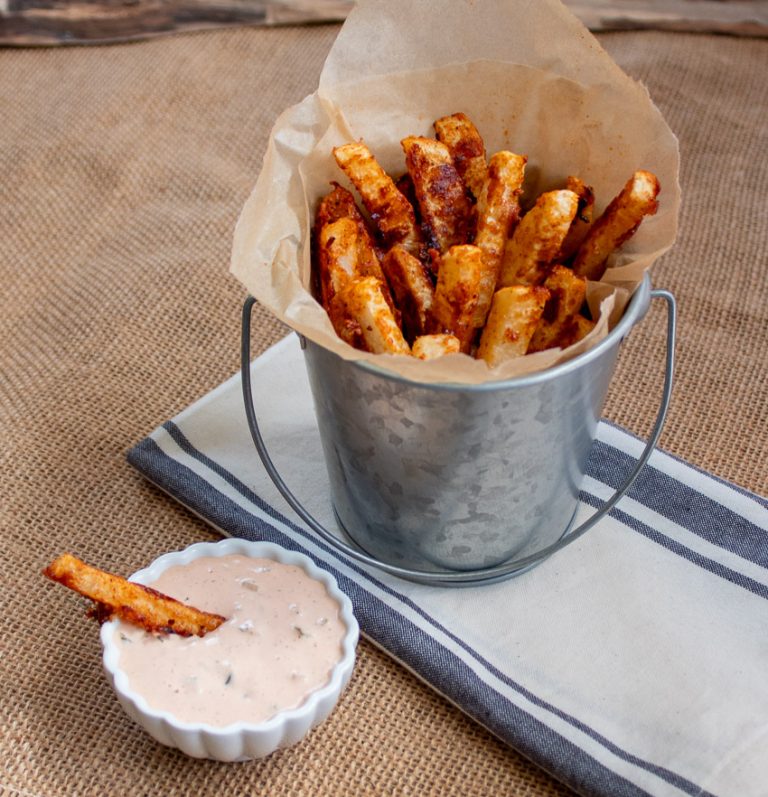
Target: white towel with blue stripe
[{"x": 634, "y": 661}]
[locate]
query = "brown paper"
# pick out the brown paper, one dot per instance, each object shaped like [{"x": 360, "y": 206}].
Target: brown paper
[{"x": 531, "y": 78}]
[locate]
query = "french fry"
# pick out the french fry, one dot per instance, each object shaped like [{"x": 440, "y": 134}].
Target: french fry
[
  {"x": 456, "y": 293},
  {"x": 579, "y": 328},
  {"x": 514, "y": 316},
  {"x": 344, "y": 250},
  {"x": 537, "y": 239},
  {"x": 566, "y": 296},
  {"x": 134, "y": 603},
  {"x": 412, "y": 288},
  {"x": 498, "y": 211},
  {"x": 337, "y": 256},
  {"x": 429, "y": 347},
  {"x": 467, "y": 149},
  {"x": 582, "y": 221},
  {"x": 366, "y": 305},
  {"x": 617, "y": 224},
  {"x": 336, "y": 204},
  {"x": 346, "y": 327},
  {"x": 390, "y": 210},
  {"x": 442, "y": 198}
]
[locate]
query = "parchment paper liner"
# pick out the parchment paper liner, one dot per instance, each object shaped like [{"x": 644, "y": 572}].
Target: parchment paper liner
[{"x": 601, "y": 132}]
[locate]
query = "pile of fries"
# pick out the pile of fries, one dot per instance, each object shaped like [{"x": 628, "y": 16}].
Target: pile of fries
[{"x": 445, "y": 261}]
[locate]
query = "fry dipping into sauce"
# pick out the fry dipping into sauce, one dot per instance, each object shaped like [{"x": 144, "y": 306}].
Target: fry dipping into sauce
[{"x": 282, "y": 638}]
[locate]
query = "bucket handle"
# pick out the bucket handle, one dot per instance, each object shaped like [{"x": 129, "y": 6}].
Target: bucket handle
[{"x": 469, "y": 577}]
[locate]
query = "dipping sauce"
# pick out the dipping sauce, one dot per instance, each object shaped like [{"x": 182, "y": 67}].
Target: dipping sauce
[{"x": 280, "y": 642}]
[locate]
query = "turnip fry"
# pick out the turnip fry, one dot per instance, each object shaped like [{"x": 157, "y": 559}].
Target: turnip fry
[
  {"x": 582, "y": 221},
  {"x": 567, "y": 292},
  {"x": 337, "y": 204},
  {"x": 134, "y": 603},
  {"x": 337, "y": 256},
  {"x": 428, "y": 347},
  {"x": 412, "y": 288},
  {"x": 579, "y": 328},
  {"x": 498, "y": 211},
  {"x": 443, "y": 201},
  {"x": 617, "y": 224},
  {"x": 514, "y": 316},
  {"x": 365, "y": 304},
  {"x": 466, "y": 147},
  {"x": 390, "y": 211},
  {"x": 458, "y": 285},
  {"x": 537, "y": 239}
]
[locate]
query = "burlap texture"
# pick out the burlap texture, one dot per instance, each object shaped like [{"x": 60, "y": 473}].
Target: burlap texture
[{"x": 123, "y": 171}]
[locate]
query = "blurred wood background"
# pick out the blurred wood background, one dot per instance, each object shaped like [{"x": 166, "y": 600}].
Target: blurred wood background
[{"x": 56, "y": 22}]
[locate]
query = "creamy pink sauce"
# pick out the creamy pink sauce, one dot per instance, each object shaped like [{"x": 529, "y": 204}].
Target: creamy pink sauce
[{"x": 280, "y": 642}]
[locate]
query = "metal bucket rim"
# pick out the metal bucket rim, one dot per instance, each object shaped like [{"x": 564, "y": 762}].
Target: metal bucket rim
[{"x": 634, "y": 312}]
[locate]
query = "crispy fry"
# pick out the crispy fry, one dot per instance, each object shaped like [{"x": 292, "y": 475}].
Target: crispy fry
[
  {"x": 498, "y": 210},
  {"x": 337, "y": 204},
  {"x": 340, "y": 204},
  {"x": 579, "y": 328},
  {"x": 617, "y": 224},
  {"x": 338, "y": 260},
  {"x": 337, "y": 256},
  {"x": 428, "y": 347},
  {"x": 514, "y": 316},
  {"x": 537, "y": 239},
  {"x": 365, "y": 304},
  {"x": 345, "y": 250},
  {"x": 131, "y": 602},
  {"x": 456, "y": 294},
  {"x": 567, "y": 291},
  {"x": 442, "y": 198},
  {"x": 390, "y": 210},
  {"x": 582, "y": 221},
  {"x": 412, "y": 288},
  {"x": 467, "y": 149},
  {"x": 346, "y": 327}
]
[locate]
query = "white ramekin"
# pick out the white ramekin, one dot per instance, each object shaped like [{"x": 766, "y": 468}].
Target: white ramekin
[{"x": 240, "y": 741}]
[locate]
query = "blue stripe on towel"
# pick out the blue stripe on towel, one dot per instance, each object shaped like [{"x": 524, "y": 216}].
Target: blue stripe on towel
[
  {"x": 758, "y": 499},
  {"x": 414, "y": 647},
  {"x": 681, "y": 504}
]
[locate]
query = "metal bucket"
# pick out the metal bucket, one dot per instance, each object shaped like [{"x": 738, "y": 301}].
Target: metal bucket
[{"x": 454, "y": 483}]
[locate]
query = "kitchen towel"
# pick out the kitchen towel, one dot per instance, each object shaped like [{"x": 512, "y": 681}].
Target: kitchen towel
[{"x": 634, "y": 661}]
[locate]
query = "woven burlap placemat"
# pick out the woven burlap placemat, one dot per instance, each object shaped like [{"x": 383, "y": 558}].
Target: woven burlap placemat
[{"x": 123, "y": 172}]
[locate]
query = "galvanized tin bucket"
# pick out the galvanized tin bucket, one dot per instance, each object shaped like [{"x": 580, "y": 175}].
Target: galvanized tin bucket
[{"x": 459, "y": 484}]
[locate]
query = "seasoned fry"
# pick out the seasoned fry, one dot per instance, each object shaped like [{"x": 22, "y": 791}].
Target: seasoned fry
[
  {"x": 365, "y": 304},
  {"x": 337, "y": 256},
  {"x": 579, "y": 328},
  {"x": 346, "y": 327},
  {"x": 428, "y": 347},
  {"x": 456, "y": 294},
  {"x": 340, "y": 204},
  {"x": 617, "y": 224},
  {"x": 337, "y": 204},
  {"x": 389, "y": 209},
  {"x": 467, "y": 149},
  {"x": 498, "y": 211},
  {"x": 443, "y": 202},
  {"x": 514, "y": 316},
  {"x": 567, "y": 291},
  {"x": 134, "y": 603},
  {"x": 537, "y": 239},
  {"x": 413, "y": 290},
  {"x": 582, "y": 221}
]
